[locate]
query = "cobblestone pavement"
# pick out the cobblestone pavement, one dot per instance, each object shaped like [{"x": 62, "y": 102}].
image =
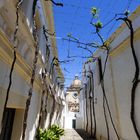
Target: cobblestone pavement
[{"x": 71, "y": 134}]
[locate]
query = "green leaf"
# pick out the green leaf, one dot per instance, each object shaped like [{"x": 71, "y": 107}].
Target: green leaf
[
  {"x": 127, "y": 12},
  {"x": 98, "y": 25},
  {"x": 53, "y": 133},
  {"x": 94, "y": 10}
]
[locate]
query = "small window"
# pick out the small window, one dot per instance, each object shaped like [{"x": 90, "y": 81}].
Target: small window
[{"x": 75, "y": 95}]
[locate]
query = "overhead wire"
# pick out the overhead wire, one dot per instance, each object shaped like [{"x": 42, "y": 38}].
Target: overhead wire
[
  {"x": 106, "y": 24},
  {"x": 75, "y": 13},
  {"x": 129, "y": 4}
]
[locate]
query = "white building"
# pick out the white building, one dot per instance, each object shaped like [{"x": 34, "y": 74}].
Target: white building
[
  {"x": 73, "y": 108},
  {"x": 47, "y": 99},
  {"x": 118, "y": 84}
]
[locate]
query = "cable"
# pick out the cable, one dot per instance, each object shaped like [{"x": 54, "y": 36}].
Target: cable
[
  {"x": 77, "y": 6},
  {"x": 85, "y": 48},
  {"x": 66, "y": 70},
  {"x": 82, "y": 43},
  {"x": 77, "y": 10},
  {"x": 110, "y": 30},
  {"x": 56, "y": 3},
  {"x": 128, "y": 5}
]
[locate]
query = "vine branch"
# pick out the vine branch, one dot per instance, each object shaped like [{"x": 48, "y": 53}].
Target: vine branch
[
  {"x": 19, "y": 3},
  {"x": 56, "y": 3}
]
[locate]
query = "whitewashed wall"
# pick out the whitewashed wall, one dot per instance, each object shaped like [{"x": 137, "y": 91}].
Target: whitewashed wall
[
  {"x": 120, "y": 71},
  {"x": 22, "y": 70}
]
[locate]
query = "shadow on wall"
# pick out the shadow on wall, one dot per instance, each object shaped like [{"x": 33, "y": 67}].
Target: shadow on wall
[
  {"x": 84, "y": 134},
  {"x": 33, "y": 116}
]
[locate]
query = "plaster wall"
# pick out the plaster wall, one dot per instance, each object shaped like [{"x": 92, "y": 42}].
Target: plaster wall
[
  {"x": 33, "y": 116},
  {"x": 68, "y": 120},
  {"x": 22, "y": 70},
  {"x": 17, "y": 126},
  {"x": 119, "y": 74}
]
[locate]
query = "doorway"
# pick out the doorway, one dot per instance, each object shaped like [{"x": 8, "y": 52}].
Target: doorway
[
  {"x": 74, "y": 123},
  {"x": 8, "y": 120}
]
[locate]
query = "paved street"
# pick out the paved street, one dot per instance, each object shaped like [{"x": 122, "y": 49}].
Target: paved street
[{"x": 71, "y": 134}]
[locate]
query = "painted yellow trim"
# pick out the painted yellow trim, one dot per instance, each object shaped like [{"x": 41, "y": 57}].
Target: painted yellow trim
[
  {"x": 125, "y": 44},
  {"x": 15, "y": 100},
  {"x": 132, "y": 17}
]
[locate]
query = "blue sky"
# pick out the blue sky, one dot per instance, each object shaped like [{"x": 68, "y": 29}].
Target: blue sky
[{"x": 75, "y": 18}]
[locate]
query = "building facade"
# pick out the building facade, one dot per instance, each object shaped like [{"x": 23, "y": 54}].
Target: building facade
[
  {"x": 108, "y": 102},
  {"x": 73, "y": 108},
  {"x": 17, "y": 37}
]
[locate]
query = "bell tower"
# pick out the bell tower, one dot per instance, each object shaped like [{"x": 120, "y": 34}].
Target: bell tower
[{"x": 72, "y": 95}]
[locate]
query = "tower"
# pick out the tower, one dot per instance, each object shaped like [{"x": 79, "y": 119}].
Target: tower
[
  {"x": 72, "y": 115},
  {"x": 72, "y": 95}
]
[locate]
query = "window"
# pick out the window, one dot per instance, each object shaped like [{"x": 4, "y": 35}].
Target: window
[{"x": 75, "y": 95}]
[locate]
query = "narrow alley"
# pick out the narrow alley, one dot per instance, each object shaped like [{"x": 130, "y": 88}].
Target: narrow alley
[
  {"x": 69, "y": 70},
  {"x": 79, "y": 134}
]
